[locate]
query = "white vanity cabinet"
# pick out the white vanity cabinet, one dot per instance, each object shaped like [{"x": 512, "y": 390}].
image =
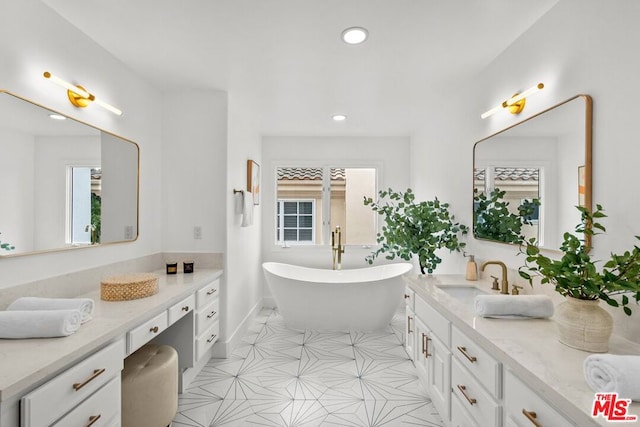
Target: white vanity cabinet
[
  {"x": 524, "y": 408},
  {"x": 207, "y": 317},
  {"x": 89, "y": 387},
  {"x": 409, "y": 330},
  {"x": 432, "y": 355}
]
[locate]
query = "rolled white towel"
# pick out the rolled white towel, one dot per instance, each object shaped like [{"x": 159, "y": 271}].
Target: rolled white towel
[
  {"x": 520, "y": 306},
  {"x": 613, "y": 373},
  {"x": 39, "y": 323},
  {"x": 84, "y": 305}
]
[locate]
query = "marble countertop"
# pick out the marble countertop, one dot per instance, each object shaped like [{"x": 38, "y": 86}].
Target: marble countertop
[
  {"x": 530, "y": 348},
  {"x": 27, "y": 363}
]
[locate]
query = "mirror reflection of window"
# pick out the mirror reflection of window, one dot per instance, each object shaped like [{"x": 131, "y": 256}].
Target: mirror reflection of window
[
  {"x": 84, "y": 205},
  {"x": 312, "y": 201}
]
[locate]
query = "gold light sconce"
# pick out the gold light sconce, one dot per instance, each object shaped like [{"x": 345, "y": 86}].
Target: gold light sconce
[
  {"x": 79, "y": 96},
  {"x": 516, "y": 103}
]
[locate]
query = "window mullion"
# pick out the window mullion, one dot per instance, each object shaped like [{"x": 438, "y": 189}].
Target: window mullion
[{"x": 326, "y": 204}]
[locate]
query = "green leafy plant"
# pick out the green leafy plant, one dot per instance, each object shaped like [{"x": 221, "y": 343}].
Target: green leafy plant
[
  {"x": 576, "y": 274},
  {"x": 412, "y": 228},
  {"x": 6, "y": 246},
  {"x": 493, "y": 221}
]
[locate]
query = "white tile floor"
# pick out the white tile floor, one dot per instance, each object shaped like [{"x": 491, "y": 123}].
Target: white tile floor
[{"x": 282, "y": 377}]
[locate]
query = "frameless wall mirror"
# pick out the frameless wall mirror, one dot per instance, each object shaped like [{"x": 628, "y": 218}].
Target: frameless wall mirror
[
  {"x": 63, "y": 183},
  {"x": 529, "y": 177}
]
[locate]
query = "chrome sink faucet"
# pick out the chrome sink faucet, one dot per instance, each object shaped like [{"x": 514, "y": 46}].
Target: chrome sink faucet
[
  {"x": 504, "y": 284},
  {"x": 337, "y": 248}
]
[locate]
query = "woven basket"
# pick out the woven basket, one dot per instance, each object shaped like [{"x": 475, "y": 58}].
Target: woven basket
[{"x": 128, "y": 287}]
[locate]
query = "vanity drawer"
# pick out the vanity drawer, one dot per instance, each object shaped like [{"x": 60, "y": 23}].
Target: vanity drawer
[
  {"x": 434, "y": 320},
  {"x": 144, "y": 333},
  {"x": 205, "y": 341},
  {"x": 51, "y": 400},
  {"x": 208, "y": 293},
  {"x": 479, "y": 404},
  {"x": 459, "y": 416},
  {"x": 179, "y": 310},
  {"x": 207, "y": 316},
  {"x": 99, "y": 410},
  {"x": 409, "y": 298},
  {"x": 519, "y": 398},
  {"x": 481, "y": 365}
]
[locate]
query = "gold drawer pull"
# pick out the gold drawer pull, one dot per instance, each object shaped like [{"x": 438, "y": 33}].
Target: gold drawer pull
[
  {"x": 93, "y": 419},
  {"x": 425, "y": 345},
  {"x": 213, "y": 337},
  {"x": 185, "y": 308},
  {"x": 409, "y": 319},
  {"x": 463, "y": 350},
  {"x": 463, "y": 390},
  {"x": 154, "y": 330},
  {"x": 210, "y": 315},
  {"x": 531, "y": 416},
  {"x": 96, "y": 373},
  {"x": 211, "y": 292}
]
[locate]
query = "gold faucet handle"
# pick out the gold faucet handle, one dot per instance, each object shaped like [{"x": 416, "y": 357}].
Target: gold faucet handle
[
  {"x": 515, "y": 289},
  {"x": 495, "y": 285}
]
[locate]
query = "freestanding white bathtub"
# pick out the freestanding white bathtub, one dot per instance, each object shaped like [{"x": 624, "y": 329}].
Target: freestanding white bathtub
[{"x": 363, "y": 299}]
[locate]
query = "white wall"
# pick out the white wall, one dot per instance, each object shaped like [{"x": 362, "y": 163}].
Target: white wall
[
  {"x": 16, "y": 206},
  {"x": 389, "y": 154},
  {"x": 36, "y": 39},
  {"x": 579, "y": 46}
]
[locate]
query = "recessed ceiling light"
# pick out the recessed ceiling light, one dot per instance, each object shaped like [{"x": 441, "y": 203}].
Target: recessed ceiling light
[
  {"x": 339, "y": 117},
  {"x": 355, "y": 35},
  {"x": 57, "y": 117}
]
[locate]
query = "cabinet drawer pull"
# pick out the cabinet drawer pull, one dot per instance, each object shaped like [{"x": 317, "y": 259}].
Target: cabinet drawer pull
[
  {"x": 154, "y": 329},
  {"x": 96, "y": 373},
  {"x": 211, "y": 291},
  {"x": 425, "y": 345},
  {"x": 463, "y": 350},
  {"x": 210, "y": 315},
  {"x": 531, "y": 416},
  {"x": 212, "y": 338},
  {"x": 463, "y": 390},
  {"x": 93, "y": 419},
  {"x": 409, "y": 318},
  {"x": 185, "y": 308},
  {"x": 407, "y": 296}
]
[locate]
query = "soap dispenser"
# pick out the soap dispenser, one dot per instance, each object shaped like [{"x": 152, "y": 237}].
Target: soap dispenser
[{"x": 472, "y": 269}]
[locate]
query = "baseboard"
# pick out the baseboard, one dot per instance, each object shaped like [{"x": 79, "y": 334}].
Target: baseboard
[
  {"x": 189, "y": 374},
  {"x": 222, "y": 349}
]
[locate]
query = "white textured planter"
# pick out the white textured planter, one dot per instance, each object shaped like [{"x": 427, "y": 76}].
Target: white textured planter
[{"x": 584, "y": 325}]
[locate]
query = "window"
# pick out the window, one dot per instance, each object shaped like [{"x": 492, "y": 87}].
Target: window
[
  {"x": 295, "y": 221},
  {"x": 312, "y": 201}
]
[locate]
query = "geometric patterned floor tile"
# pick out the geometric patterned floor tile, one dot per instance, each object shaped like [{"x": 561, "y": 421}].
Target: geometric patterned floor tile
[{"x": 279, "y": 377}]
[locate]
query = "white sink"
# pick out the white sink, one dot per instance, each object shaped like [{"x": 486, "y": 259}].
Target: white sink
[{"x": 464, "y": 294}]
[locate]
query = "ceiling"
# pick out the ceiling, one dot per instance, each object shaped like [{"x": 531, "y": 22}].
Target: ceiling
[{"x": 283, "y": 62}]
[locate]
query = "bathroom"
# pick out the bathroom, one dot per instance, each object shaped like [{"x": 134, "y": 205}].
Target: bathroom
[{"x": 195, "y": 138}]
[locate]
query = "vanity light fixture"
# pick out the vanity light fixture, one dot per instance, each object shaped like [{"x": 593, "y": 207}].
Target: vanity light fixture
[
  {"x": 516, "y": 103},
  {"x": 355, "y": 35},
  {"x": 339, "y": 117},
  {"x": 79, "y": 96}
]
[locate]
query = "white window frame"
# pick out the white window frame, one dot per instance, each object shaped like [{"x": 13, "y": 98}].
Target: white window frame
[{"x": 280, "y": 220}]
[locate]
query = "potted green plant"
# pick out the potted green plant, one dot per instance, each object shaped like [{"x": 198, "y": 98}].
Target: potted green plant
[
  {"x": 412, "y": 228},
  {"x": 492, "y": 219},
  {"x": 581, "y": 321}
]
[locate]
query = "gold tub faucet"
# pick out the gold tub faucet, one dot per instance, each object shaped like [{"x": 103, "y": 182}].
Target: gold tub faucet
[
  {"x": 337, "y": 248},
  {"x": 504, "y": 284}
]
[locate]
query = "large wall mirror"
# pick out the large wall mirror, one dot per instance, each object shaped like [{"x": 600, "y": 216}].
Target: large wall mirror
[
  {"x": 63, "y": 183},
  {"x": 529, "y": 177}
]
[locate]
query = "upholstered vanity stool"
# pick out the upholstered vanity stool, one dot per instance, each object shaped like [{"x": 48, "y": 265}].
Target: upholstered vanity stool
[{"x": 150, "y": 387}]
